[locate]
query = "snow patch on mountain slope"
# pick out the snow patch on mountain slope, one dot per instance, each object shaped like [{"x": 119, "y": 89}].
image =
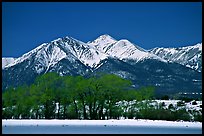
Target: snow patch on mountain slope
[
  {"x": 45, "y": 56},
  {"x": 197, "y": 46},
  {"x": 102, "y": 42},
  {"x": 123, "y": 49},
  {"x": 6, "y": 61},
  {"x": 26, "y": 55},
  {"x": 86, "y": 53},
  {"x": 189, "y": 56},
  {"x": 48, "y": 57},
  {"x": 94, "y": 58}
]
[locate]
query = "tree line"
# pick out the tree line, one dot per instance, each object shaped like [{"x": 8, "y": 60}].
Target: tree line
[{"x": 71, "y": 97}]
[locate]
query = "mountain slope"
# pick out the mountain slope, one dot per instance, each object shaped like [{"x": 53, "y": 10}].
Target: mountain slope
[
  {"x": 69, "y": 56},
  {"x": 122, "y": 49},
  {"x": 102, "y": 42},
  {"x": 168, "y": 78},
  {"x": 48, "y": 54},
  {"x": 66, "y": 56},
  {"x": 189, "y": 56},
  {"x": 6, "y": 61}
]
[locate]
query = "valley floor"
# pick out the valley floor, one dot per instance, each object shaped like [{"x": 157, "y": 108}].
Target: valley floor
[{"x": 100, "y": 127}]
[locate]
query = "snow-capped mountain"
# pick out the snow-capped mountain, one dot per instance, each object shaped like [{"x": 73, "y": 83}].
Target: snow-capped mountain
[
  {"x": 6, "y": 61},
  {"x": 189, "y": 56},
  {"x": 48, "y": 54},
  {"x": 69, "y": 56},
  {"x": 90, "y": 54},
  {"x": 122, "y": 49},
  {"x": 66, "y": 56},
  {"x": 102, "y": 42}
]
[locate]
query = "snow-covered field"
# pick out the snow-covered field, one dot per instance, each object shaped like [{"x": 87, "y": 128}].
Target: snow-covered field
[{"x": 100, "y": 126}]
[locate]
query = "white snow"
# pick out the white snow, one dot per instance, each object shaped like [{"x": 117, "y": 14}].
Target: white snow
[
  {"x": 188, "y": 66},
  {"x": 46, "y": 58},
  {"x": 195, "y": 80},
  {"x": 6, "y": 61},
  {"x": 125, "y": 122},
  {"x": 92, "y": 53},
  {"x": 122, "y": 49},
  {"x": 186, "y": 56},
  {"x": 86, "y": 53},
  {"x": 102, "y": 42},
  {"x": 92, "y": 57},
  {"x": 157, "y": 50},
  {"x": 99, "y": 66},
  {"x": 56, "y": 55},
  {"x": 106, "y": 126},
  {"x": 172, "y": 50},
  {"x": 26, "y": 55},
  {"x": 198, "y": 45}
]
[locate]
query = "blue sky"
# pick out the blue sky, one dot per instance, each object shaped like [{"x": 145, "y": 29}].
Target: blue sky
[{"x": 26, "y": 25}]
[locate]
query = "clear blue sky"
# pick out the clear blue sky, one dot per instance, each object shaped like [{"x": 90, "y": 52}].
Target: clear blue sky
[{"x": 26, "y": 25}]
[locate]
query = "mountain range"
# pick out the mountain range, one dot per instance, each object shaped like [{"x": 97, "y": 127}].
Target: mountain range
[
  {"x": 189, "y": 56},
  {"x": 170, "y": 70}
]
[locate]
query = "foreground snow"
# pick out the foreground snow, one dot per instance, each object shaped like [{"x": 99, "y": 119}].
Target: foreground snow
[
  {"x": 99, "y": 127},
  {"x": 126, "y": 122}
]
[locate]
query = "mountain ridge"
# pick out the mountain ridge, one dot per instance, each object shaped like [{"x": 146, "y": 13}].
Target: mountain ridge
[
  {"x": 189, "y": 56},
  {"x": 96, "y": 54},
  {"x": 107, "y": 46},
  {"x": 69, "y": 56}
]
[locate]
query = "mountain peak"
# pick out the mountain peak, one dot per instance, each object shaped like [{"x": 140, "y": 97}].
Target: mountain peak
[
  {"x": 105, "y": 36},
  {"x": 103, "y": 39}
]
